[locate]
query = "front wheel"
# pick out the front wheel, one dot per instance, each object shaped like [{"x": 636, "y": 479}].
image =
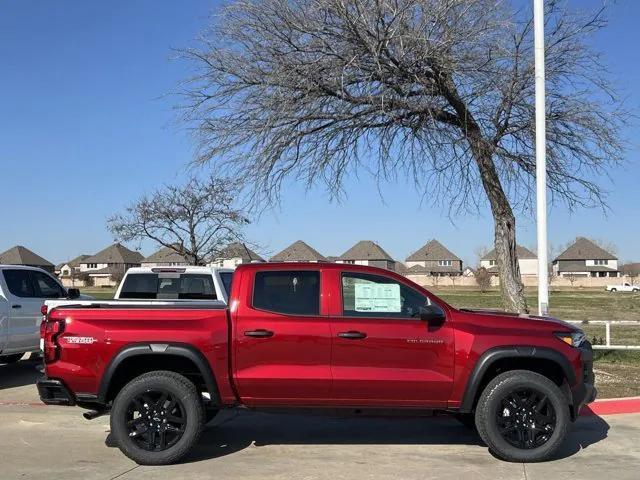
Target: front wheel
[
  {"x": 157, "y": 418},
  {"x": 522, "y": 416}
]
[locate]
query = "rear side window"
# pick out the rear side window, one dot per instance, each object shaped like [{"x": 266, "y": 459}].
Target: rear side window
[
  {"x": 46, "y": 287},
  {"x": 289, "y": 292},
  {"x": 226, "y": 278},
  {"x": 169, "y": 286},
  {"x": 19, "y": 283}
]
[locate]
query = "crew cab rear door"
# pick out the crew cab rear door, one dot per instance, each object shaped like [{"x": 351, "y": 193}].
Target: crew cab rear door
[
  {"x": 282, "y": 338},
  {"x": 383, "y": 353}
]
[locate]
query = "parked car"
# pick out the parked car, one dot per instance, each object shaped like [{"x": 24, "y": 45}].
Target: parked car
[
  {"x": 625, "y": 287},
  {"x": 323, "y": 336},
  {"x": 175, "y": 283},
  {"x": 23, "y": 291}
]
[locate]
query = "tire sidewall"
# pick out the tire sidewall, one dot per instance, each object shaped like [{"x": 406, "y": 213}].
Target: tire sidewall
[
  {"x": 192, "y": 409},
  {"x": 490, "y": 405}
]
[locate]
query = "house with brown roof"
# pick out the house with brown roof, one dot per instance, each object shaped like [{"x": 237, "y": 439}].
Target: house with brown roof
[
  {"x": 366, "y": 252},
  {"x": 109, "y": 264},
  {"x": 66, "y": 269},
  {"x": 434, "y": 259},
  {"x": 527, "y": 261},
  {"x": 298, "y": 252},
  {"x": 235, "y": 254},
  {"x": 165, "y": 257},
  {"x": 20, "y": 255},
  {"x": 585, "y": 259}
]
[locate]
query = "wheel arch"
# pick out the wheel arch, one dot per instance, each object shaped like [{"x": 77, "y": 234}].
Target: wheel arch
[
  {"x": 545, "y": 361},
  {"x": 134, "y": 360}
]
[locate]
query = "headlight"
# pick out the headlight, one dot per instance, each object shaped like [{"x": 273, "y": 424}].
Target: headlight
[{"x": 575, "y": 339}]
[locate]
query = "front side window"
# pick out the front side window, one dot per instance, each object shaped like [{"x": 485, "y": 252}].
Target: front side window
[
  {"x": 19, "y": 283},
  {"x": 46, "y": 287},
  {"x": 288, "y": 292},
  {"x": 365, "y": 295}
]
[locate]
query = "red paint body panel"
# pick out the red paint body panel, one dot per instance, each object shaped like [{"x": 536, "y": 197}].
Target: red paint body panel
[{"x": 403, "y": 363}]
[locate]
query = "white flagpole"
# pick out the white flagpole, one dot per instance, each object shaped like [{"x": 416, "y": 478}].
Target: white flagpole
[{"x": 541, "y": 161}]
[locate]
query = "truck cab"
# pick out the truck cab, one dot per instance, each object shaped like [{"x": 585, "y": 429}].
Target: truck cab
[{"x": 23, "y": 291}]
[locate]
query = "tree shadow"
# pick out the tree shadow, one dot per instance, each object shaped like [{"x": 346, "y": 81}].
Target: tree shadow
[
  {"x": 238, "y": 430},
  {"x": 24, "y": 372}
]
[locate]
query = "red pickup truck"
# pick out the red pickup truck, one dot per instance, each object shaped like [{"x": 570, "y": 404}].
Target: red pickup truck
[{"x": 321, "y": 336}]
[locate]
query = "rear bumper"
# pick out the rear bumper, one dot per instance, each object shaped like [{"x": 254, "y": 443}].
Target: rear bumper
[{"x": 54, "y": 392}]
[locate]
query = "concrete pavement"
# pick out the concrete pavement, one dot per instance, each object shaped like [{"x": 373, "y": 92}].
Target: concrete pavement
[{"x": 56, "y": 442}]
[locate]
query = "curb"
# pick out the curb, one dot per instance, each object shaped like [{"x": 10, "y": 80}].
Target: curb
[{"x": 612, "y": 406}]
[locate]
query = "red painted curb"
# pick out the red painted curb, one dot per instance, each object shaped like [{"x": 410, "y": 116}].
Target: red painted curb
[{"x": 612, "y": 406}]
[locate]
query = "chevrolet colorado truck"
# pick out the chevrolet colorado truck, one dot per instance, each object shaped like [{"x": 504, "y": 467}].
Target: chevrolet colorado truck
[{"x": 317, "y": 336}]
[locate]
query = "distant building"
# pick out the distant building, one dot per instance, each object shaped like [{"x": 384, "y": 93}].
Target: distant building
[
  {"x": 66, "y": 269},
  {"x": 434, "y": 259},
  {"x": 585, "y": 259},
  {"x": 298, "y": 252},
  {"x": 366, "y": 252},
  {"x": 527, "y": 261},
  {"x": 107, "y": 265},
  {"x": 20, "y": 255},
  {"x": 165, "y": 257},
  {"x": 235, "y": 254}
]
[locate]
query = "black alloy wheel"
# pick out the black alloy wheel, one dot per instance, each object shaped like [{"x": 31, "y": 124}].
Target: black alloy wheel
[
  {"x": 526, "y": 419},
  {"x": 156, "y": 420}
]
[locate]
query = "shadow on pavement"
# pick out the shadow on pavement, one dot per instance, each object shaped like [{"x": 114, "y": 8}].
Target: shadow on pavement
[
  {"x": 584, "y": 432},
  {"x": 21, "y": 373},
  {"x": 239, "y": 430}
]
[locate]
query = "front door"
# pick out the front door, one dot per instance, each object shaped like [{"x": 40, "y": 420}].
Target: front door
[
  {"x": 383, "y": 353},
  {"x": 24, "y": 311},
  {"x": 282, "y": 339}
]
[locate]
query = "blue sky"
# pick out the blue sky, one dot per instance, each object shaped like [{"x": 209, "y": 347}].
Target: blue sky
[{"x": 86, "y": 126}]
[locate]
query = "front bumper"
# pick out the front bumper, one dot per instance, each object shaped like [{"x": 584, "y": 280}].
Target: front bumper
[
  {"x": 54, "y": 392},
  {"x": 585, "y": 391}
]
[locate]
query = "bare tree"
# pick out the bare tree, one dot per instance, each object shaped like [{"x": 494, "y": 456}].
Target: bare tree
[
  {"x": 439, "y": 91},
  {"x": 483, "y": 279},
  {"x": 195, "y": 220},
  {"x": 572, "y": 277},
  {"x": 631, "y": 270}
]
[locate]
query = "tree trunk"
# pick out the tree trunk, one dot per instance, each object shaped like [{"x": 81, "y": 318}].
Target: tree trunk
[{"x": 511, "y": 285}]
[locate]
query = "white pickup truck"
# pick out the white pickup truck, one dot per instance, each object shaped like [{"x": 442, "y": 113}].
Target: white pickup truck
[
  {"x": 625, "y": 287},
  {"x": 23, "y": 292},
  {"x": 175, "y": 283}
]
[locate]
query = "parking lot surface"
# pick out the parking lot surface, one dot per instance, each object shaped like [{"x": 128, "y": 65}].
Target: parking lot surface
[{"x": 56, "y": 442}]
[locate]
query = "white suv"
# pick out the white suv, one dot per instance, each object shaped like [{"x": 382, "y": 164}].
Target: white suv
[{"x": 23, "y": 291}]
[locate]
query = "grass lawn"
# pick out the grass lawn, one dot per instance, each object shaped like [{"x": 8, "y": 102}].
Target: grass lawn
[{"x": 617, "y": 373}]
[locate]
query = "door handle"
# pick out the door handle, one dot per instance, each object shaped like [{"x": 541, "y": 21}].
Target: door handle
[
  {"x": 352, "y": 335},
  {"x": 260, "y": 333},
  {"x": 16, "y": 306}
]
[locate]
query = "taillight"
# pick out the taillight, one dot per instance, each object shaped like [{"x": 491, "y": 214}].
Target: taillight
[{"x": 50, "y": 330}]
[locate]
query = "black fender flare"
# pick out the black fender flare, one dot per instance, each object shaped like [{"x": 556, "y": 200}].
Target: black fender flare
[
  {"x": 498, "y": 353},
  {"x": 160, "y": 348}
]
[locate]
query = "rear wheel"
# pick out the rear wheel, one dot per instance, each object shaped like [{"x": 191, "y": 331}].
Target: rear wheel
[
  {"x": 11, "y": 358},
  {"x": 157, "y": 418},
  {"x": 522, "y": 416},
  {"x": 613, "y": 290}
]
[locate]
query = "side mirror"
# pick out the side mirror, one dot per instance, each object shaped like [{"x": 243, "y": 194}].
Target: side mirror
[
  {"x": 432, "y": 314},
  {"x": 73, "y": 293}
]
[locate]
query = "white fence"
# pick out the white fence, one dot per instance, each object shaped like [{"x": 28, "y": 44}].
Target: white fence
[{"x": 607, "y": 332}]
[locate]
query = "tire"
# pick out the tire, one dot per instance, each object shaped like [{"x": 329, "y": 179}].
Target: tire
[
  {"x": 635, "y": 290},
  {"x": 613, "y": 290},
  {"x": 534, "y": 392},
  {"x": 172, "y": 406},
  {"x": 466, "y": 419},
  {"x": 11, "y": 358}
]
